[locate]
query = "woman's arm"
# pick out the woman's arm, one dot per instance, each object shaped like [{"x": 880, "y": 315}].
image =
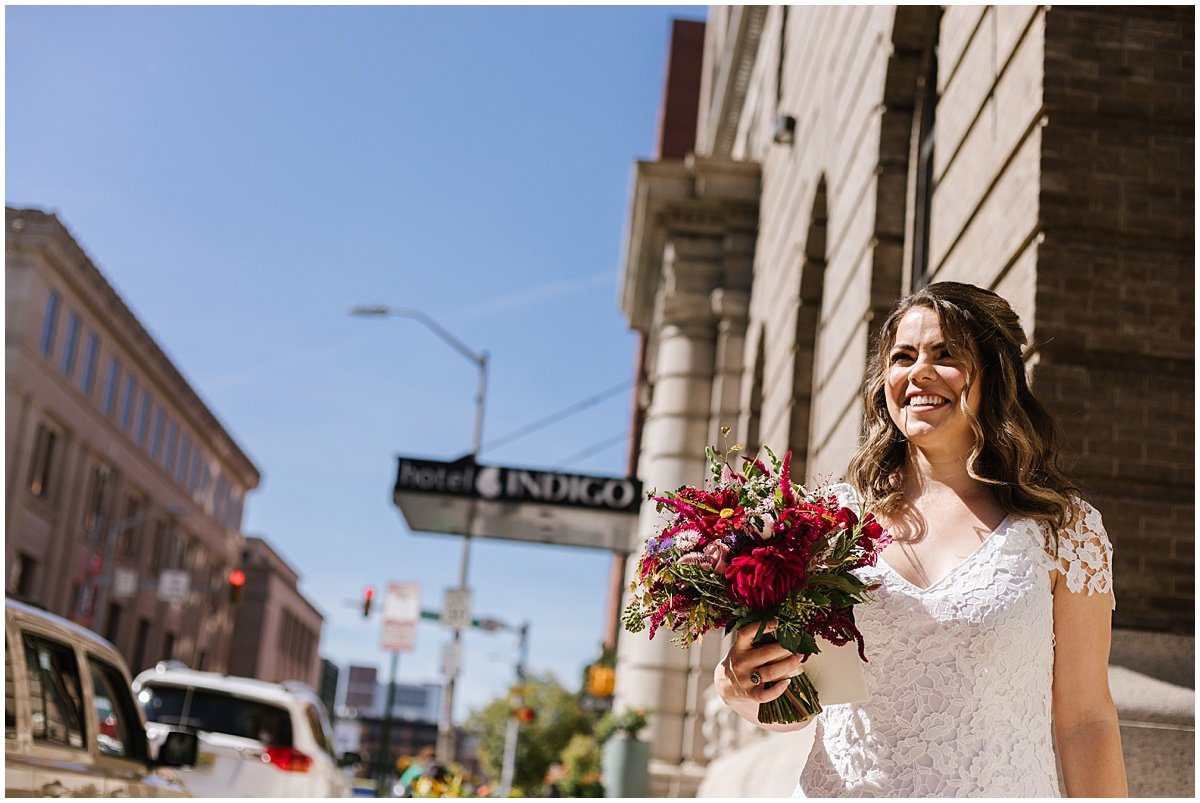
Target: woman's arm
[
  {"x": 1085, "y": 719},
  {"x": 772, "y": 662}
]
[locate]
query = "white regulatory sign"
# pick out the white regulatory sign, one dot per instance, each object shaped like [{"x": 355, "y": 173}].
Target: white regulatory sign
[
  {"x": 401, "y": 610},
  {"x": 451, "y": 658},
  {"x": 173, "y": 585},
  {"x": 125, "y": 583},
  {"x": 456, "y": 608}
]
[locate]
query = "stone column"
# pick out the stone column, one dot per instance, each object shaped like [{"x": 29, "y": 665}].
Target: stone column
[{"x": 657, "y": 675}]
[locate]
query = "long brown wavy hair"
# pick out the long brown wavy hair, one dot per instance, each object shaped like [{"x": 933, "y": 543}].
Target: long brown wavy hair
[{"x": 1016, "y": 449}]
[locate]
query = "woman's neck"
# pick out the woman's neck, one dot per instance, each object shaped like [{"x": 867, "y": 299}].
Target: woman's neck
[{"x": 935, "y": 474}]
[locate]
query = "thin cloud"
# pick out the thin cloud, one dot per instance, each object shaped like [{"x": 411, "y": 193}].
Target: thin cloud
[{"x": 533, "y": 295}]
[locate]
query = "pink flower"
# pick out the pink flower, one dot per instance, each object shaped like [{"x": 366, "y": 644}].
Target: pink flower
[
  {"x": 719, "y": 554},
  {"x": 763, "y": 577}
]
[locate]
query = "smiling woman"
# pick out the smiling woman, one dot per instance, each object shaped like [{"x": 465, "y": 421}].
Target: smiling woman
[{"x": 991, "y": 616}]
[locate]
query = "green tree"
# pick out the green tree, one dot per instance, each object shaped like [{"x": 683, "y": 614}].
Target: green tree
[{"x": 557, "y": 716}]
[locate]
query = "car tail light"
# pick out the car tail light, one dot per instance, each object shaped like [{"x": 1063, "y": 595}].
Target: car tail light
[{"x": 288, "y": 759}]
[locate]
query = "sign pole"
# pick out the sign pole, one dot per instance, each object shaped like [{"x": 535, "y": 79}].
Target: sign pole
[{"x": 386, "y": 766}]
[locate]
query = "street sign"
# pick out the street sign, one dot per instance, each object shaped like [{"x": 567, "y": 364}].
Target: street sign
[
  {"x": 401, "y": 610},
  {"x": 125, "y": 583},
  {"x": 451, "y": 658},
  {"x": 173, "y": 585},
  {"x": 456, "y": 608}
]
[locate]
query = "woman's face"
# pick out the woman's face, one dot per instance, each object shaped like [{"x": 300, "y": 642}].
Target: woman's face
[{"x": 924, "y": 385}]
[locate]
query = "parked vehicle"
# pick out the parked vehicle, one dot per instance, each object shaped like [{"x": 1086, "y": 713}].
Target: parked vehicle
[
  {"x": 71, "y": 727},
  {"x": 257, "y": 739}
]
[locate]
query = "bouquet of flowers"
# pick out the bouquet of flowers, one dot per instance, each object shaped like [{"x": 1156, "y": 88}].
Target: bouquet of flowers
[{"x": 756, "y": 548}]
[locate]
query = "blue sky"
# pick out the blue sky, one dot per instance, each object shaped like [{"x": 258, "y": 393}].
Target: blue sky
[{"x": 243, "y": 175}]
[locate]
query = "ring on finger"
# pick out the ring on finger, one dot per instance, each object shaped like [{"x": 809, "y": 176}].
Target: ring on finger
[{"x": 755, "y": 678}]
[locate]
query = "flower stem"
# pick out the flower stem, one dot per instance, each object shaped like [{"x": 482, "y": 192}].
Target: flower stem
[{"x": 798, "y": 704}]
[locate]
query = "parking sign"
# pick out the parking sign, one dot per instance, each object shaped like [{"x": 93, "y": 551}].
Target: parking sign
[{"x": 401, "y": 610}]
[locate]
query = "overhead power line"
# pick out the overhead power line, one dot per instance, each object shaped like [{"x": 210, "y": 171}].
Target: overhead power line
[
  {"x": 595, "y": 448},
  {"x": 555, "y": 417}
]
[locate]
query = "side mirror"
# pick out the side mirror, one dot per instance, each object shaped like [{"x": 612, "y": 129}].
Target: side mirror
[
  {"x": 349, "y": 759},
  {"x": 178, "y": 750}
]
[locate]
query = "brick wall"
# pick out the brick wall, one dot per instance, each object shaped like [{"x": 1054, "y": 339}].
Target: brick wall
[{"x": 1116, "y": 285}]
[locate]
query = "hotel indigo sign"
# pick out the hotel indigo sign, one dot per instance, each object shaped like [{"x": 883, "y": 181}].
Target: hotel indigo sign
[
  {"x": 521, "y": 504},
  {"x": 495, "y": 483}
]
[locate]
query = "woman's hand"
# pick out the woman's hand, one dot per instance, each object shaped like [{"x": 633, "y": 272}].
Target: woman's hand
[{"x": 744, "y": 664}]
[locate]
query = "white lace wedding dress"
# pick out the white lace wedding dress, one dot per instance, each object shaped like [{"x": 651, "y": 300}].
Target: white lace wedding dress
[{"x": 959, "y": 673}]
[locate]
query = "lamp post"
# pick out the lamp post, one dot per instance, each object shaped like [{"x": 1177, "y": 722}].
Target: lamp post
[{"x": 446, "y": 735}]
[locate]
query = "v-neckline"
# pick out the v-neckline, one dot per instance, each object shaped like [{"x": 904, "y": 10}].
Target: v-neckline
[{"x": 925, "y": 589}]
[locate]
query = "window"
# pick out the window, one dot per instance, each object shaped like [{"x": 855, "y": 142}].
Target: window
[
  {"x": 216, "y": 712},
  {"x": 168, "y": 651},
  {"x": 72, "y": 345},
  {"x": 50, "y": 324},
  {"x": 42, "y": 466},
  {"x": 110, "y": 387},
  {"x": 127, "y": 404},
  {"x": 194, "y": 474},
  {"x": 143, "y": 419},
  {"x": 113, "y": 714},
  {"x": 55, "y": 692},
  {"x": 160, "y": 416},
  {"x": 317, "y": 725},
  {"x": 112, "y": 622},
  {"x": 20, "y": 578},
  {"x": 10, "y": 695},
  {"x": 139, "y": 644},
  {"x": 172, "y": 447},
  {"x": 185, "y": 459},
  {"x": 94, "y": 513},
  {"x": 126, "y": 542},
  {"x": 90, "y": 355},
  {"x": 921, "y": 178}
]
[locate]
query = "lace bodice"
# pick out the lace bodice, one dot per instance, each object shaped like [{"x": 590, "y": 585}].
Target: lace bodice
[{"x": 959, "y": 673}]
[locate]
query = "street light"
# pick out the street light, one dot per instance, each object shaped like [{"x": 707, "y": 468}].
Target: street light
[{"x": 446, "y": 736}]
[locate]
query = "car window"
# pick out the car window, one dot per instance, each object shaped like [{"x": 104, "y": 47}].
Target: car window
[
  {"x": 314, "y": 724},
  {"x": 10, "y": 695},
  {"x": 55, "y": 693},
  {"x": 113, "y": 718},
  {"x": 217, "y": 712}
]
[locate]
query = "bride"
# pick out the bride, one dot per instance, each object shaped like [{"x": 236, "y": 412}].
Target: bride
[{"x": 989, "y": 632}]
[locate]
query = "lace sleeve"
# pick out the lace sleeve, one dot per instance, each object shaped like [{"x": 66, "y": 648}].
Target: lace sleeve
[
  {"x": 1085, "y": 553},
  {"x": 846, "y": 496}
]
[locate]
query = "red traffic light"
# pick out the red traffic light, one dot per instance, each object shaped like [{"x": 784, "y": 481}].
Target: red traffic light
[
  {"x": 368, "y": 597},
  {"x": 525, "y": 715},
  {"x": 237, "y": 579}
]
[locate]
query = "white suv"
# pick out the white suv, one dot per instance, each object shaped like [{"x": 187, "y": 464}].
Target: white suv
[{"x": 257, "y": 739}]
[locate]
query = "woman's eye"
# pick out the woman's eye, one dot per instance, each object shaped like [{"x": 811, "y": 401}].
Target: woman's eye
[{"x": 900, "y": 355}]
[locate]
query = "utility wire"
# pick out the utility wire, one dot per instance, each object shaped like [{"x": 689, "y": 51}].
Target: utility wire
[
  {"x": 595, "y": 448},
  {"x": 555, "y": 417}
]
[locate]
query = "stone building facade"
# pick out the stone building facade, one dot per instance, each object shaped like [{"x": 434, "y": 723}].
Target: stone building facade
[
  {"x": 276, "y": 630},
  {"x": 117, "y": 472},
  {"x": 845, "y": 155}
]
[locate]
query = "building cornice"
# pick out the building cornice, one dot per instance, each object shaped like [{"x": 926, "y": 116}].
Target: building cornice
[
  {"x": 36, "y": 232},
  {"x": 693, "y": 197}
]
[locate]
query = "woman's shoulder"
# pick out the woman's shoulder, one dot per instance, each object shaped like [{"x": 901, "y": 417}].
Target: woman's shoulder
[{"x": 1084, "y": 550}]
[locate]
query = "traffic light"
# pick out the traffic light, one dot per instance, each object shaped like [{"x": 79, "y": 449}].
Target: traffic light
[
  {"x": 237, "y": 581},
  {"x": 601, "y": 680},
  {"x": 368, "y": 597},
  {"x": 524, "y": 715}
]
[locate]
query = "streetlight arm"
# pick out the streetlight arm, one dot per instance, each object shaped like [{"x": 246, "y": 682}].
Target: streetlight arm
[{"x": 434, "y": 326}]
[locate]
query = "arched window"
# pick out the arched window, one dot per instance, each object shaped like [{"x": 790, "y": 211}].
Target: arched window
[
  {"x": 920, "y": 162},
  {"x": 808, "y": 317}
]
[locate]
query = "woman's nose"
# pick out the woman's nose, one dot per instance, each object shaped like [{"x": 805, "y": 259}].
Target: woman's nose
[{"x": 922, "y": 369}]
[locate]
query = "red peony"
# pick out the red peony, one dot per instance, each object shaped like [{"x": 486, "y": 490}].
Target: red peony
[{"x": 763, "y": 577}]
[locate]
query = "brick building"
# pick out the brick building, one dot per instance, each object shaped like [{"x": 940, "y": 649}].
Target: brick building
[
  {"x": 117, "y": 472},
  {"x": 276, "y": 630},
  {"x": 845, "y": 155}
]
